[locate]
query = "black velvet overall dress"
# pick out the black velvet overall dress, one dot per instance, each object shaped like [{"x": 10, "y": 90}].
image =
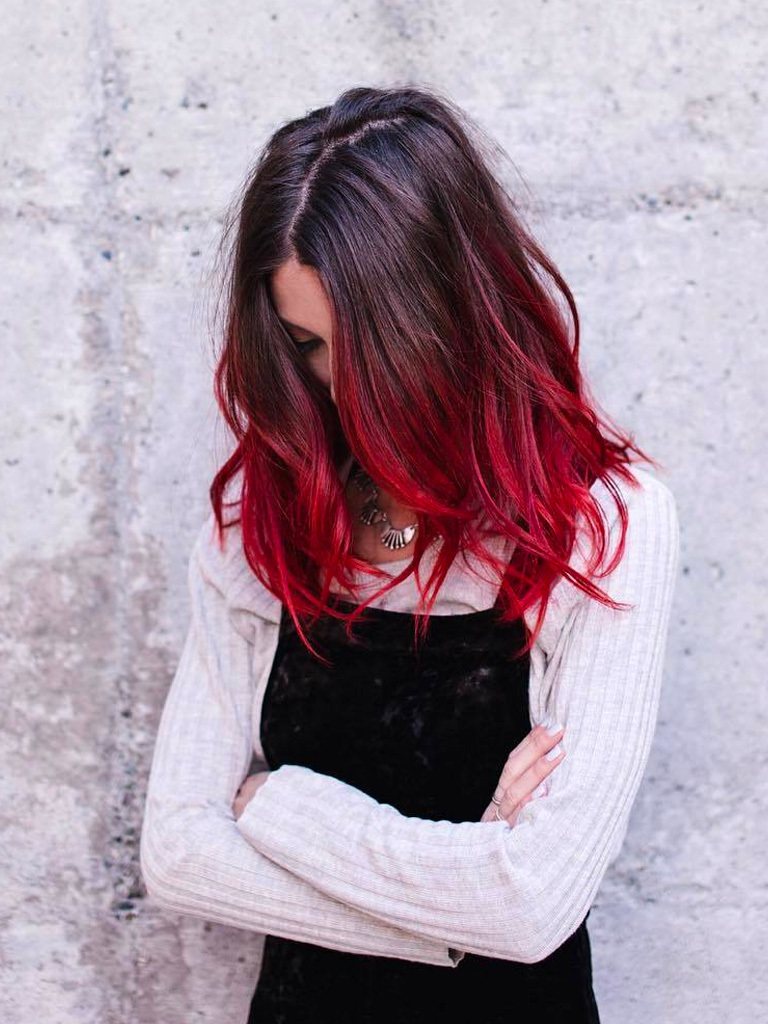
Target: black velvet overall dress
[{"x": 427, "y": 732}]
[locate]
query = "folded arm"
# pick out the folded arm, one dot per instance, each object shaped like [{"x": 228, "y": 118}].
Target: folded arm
[
  {"x": 193, "y": 858},
  {"x": 511, "y": 893}
]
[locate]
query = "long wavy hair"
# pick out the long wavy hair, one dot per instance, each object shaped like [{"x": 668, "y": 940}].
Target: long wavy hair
[{"x": 455, "y": 373}]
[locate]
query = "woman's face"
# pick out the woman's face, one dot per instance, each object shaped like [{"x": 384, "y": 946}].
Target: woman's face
[{"x": 301, "y": 304}]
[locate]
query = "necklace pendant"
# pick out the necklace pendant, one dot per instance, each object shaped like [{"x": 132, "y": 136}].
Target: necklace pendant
[
  {"x": 395, "y": 538},
  {"x": 371, "y": 513}
]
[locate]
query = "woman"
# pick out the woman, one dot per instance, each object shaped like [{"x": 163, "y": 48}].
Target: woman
[{"x": 435, "y": 624}]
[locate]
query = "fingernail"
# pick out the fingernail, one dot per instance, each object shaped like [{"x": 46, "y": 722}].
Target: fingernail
[
  {"x": 552, "y": 727},
  {"x": 556, "y": 751}
]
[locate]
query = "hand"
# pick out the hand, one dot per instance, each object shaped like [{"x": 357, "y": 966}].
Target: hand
[
  {"x": 246, "y": 791},
  {"x": 525, "y": 767}
]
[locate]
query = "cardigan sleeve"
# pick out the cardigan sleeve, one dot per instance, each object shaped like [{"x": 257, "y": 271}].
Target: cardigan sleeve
[
  {"x": 193, "y": 859},
  {"x": 484, "y": 887}
]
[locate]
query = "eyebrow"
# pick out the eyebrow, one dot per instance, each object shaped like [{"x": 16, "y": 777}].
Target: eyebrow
[{"x": 296, "y": 327}]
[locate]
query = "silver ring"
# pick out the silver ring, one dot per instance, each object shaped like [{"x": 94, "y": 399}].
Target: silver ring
[
  {"x": 497, "y": 816},
  {"x": 495, "y": 801}
]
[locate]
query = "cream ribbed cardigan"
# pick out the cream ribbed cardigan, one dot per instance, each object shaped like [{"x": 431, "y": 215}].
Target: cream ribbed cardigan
[{"x": 315, "y": 859}]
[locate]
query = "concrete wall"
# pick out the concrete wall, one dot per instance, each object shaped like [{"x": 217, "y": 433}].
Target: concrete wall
[{"x": 641, "y": 132}]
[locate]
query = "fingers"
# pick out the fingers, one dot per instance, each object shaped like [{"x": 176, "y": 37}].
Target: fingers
[
  {"x": 509, "y": 816},
  {"x": 531, "y": 762},
  {"x": 537, "y": 744},
  {"x": 522, "y": 788}
]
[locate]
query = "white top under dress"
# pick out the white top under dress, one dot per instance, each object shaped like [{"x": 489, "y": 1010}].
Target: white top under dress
[{"x": 315, "y": 859}]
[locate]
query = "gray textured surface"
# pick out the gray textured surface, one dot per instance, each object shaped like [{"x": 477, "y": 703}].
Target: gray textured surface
[{"x": 641, "y": 130}]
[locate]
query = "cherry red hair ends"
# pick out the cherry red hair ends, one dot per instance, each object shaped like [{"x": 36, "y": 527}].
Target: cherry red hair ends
[{"x": 455, "y": 365}]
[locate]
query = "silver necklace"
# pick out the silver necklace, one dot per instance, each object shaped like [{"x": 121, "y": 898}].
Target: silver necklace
[{"x": 372, "y": 514}]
